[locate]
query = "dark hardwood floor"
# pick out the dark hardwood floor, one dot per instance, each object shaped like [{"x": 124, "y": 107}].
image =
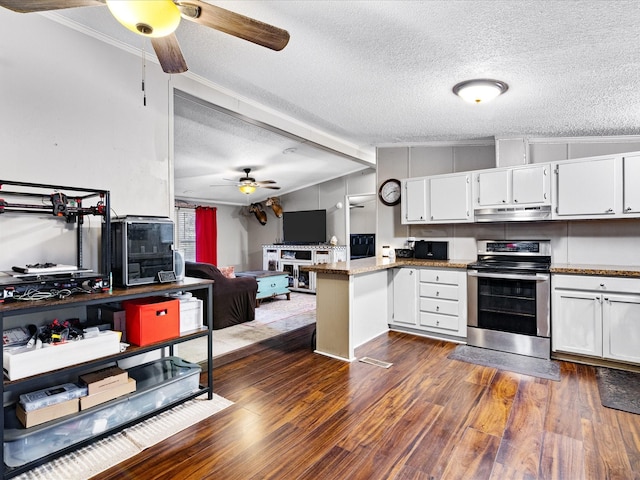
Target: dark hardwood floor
[{"x": 299, "y": 415}]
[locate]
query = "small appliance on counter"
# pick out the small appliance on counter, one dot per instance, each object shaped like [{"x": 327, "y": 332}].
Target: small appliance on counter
[
  {"x": 404, "y": 253},
  {"x": 431, "y": 250}
]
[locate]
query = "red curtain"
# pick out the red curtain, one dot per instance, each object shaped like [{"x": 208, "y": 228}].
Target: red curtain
[{"x": 206, "y": 235}]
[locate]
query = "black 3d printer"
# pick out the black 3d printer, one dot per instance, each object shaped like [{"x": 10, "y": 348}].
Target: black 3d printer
[{"x": 68, "y": 204}]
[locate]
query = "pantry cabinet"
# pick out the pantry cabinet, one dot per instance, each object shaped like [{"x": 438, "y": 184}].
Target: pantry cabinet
[{"x": 596, "y": 316}]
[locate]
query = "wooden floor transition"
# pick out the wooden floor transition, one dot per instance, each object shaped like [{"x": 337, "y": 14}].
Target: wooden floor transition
[{"x": 299, "y": 415}]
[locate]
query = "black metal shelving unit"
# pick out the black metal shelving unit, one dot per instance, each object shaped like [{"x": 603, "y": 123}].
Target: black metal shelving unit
[{"x": 71, "y": 205}]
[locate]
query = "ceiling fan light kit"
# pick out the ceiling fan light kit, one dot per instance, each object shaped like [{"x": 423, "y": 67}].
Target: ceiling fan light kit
[
  {"x": 247, "y": 189},
  {"x": 151, "y": 18},
  {"x": 480, "y": 90}
]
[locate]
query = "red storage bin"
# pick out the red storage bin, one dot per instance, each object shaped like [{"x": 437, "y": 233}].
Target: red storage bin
[{"x": 152, "y": 319}]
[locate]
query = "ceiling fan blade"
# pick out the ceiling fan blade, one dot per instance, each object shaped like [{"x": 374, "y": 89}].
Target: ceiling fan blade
[
  {"x": 169, "y": 54},
  {"x": 266, "y": 182},
  {"x": 26, "y": 6},
  {"x": 272, "y": 188},
  {"x": 234, "y": 24}
]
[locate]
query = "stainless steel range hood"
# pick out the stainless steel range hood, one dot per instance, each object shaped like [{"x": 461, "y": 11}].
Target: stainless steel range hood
[{"x": 513, "y": 214}]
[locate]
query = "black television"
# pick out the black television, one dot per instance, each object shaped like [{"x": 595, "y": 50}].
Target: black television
[{"x": 304, "y": 227}]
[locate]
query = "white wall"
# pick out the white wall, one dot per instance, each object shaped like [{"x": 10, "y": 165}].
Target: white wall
[{"x": 72, "y": 114}]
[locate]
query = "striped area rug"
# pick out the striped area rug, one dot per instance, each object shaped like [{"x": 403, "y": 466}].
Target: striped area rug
[{"x": 104, "y": 454}]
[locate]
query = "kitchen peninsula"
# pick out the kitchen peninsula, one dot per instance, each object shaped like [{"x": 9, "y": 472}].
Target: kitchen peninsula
[{"x": 355, "y": 300}]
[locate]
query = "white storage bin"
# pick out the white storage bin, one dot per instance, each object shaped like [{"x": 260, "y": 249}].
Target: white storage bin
[
  {"x": 23, "y": 362},
  {"x": 190, "y": 314},
  {"x": 159, "y": 383}
]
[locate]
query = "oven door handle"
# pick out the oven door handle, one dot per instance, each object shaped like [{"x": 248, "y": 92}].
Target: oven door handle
[{"x": 538, "y": 277}]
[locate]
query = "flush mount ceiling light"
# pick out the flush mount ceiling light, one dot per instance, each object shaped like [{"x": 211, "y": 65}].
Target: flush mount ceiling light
[
  {"x": 151, "y": 18},
  {"x": 480, "y": 90}
]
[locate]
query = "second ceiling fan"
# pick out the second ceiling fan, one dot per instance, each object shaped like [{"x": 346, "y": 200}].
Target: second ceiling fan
[
  {"x": 158, "y": 20},
  {"x": 248, "y": 185}
]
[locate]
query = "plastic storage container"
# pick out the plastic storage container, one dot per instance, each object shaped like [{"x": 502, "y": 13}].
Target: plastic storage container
[{"x": 159, "y": 383}]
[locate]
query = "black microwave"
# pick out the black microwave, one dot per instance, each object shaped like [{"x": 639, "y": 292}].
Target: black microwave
[{"x": 141, "y": 249}]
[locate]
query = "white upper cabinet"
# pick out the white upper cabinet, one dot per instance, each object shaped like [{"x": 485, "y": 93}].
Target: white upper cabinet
[
  {"x": 414, "y": 200},
  {"x": 493, "y": 188},
  {"x": 517, "y": 186},
  {"x": 450, "y": 198},
  {"x": 588, "y": 188},
  {"x": 531, "y": 185},
  {"x": 631, "y": 183}
]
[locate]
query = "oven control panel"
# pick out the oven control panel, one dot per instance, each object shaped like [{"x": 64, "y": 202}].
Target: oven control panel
[{"x": 535, "y": 247}]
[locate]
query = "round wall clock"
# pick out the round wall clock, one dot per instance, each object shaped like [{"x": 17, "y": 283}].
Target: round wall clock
[{"x": 389, "y": 192}]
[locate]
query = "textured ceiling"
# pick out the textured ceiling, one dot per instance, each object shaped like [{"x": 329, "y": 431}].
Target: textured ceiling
[{"x": 381, "y": 72}]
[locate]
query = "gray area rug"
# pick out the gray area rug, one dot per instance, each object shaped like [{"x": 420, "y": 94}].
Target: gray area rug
[
  {"x": 535, "y": 367},
  {"x": 619, "y": 389}
]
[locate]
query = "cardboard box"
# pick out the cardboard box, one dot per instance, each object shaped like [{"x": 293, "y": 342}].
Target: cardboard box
[
  {"x": 108, "y": 394},
  {"x": 21, "y": 362},
  {"x": 46, "y": 414},
  {"x": 104, "y": 379},
  {"x": 152, "y": 319}
]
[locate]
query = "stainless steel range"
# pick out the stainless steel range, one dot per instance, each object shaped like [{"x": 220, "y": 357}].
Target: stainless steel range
[{"x": 509, "y": 291}]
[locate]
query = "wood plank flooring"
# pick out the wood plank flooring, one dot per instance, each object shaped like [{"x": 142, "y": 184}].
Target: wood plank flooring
[{"x": 299, "y": 415}]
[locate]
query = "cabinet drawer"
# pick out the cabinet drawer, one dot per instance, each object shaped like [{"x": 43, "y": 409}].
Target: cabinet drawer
[
  {"x": 595, "y": 283},
  {"x": 434, "y": 290},
  {"x": 279, "y": 282},
  {"x": 433, "y": 320},
  {"x": 447, "y": 307},
  {"x": 439, "y": 276}
]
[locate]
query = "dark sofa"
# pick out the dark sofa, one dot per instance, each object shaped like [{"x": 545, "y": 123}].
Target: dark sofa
[{"x": 234, "y": 299}]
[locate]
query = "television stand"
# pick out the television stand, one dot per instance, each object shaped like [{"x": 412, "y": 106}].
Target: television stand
[{"x": 289, "y": 259}]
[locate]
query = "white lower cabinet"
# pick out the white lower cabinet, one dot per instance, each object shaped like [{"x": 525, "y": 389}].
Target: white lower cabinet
[
  {"x": 431, "y": 300},
  {"x": 405, "y": 294},
  {"x": 596, "y": 316}
]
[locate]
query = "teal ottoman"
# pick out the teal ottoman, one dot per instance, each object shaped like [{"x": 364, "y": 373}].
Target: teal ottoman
[{"x": 270, "y": 284}]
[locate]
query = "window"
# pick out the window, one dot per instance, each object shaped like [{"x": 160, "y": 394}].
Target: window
[{"x": 186, "y": 219}]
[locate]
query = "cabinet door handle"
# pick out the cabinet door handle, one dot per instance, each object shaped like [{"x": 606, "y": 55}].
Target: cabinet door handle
[
  {"x": 628, "y": 209},
  {"x": 437, "y": 278},
  {"x": 437, "y": 308},
  {"x": 515, "y": 200},
  {"x": 609, "y": 210},
  {"x": 437, "y": 294}
]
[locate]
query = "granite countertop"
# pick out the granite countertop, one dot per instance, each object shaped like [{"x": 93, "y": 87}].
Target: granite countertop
[
  {"x": 372, "y": 264},
  {"x": 603, "y": 270}
]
